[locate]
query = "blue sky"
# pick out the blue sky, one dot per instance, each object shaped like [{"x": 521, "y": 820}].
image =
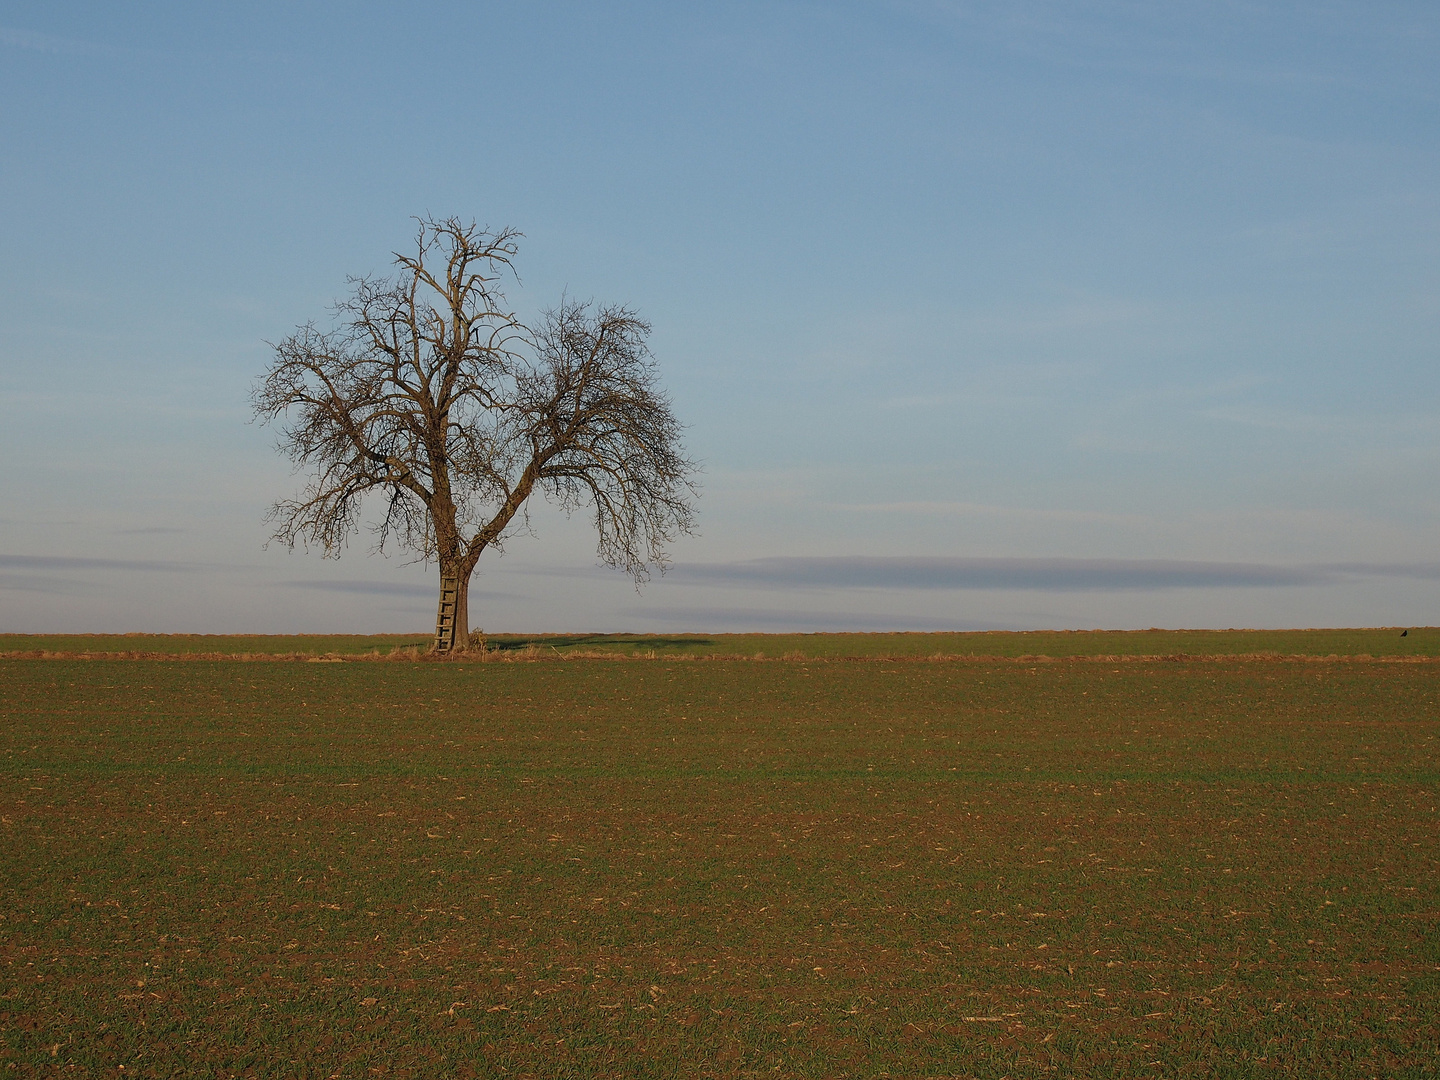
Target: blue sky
[{"x": 1142, "y": 301}]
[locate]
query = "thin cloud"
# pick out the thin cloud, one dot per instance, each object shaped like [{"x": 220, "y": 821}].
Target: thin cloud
[
  {"x": 1128, "y": 38},
  {"x": 972, "y": 509},
  {"x": 1415, "y": 571},
  {"x": 1267, "y": 419},
  {"x": 49, "y": 43},
  {"x": 37, "y": 584},
  {"x": 62, "y": 562},
  {"x": 1047, "y": 575},
  {"x": 743, "y": 619},
  {"x": 364, "y": 588},
  {"x": 381, "y": 588}
]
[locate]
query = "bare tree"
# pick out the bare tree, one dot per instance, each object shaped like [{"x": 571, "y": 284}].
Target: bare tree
[{"x": 430, "y": 392}]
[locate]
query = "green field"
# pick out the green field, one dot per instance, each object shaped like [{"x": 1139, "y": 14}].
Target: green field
[{"x": 727, "y": 867}]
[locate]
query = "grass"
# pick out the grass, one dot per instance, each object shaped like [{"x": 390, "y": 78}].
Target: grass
[
  {"x": 810, "y": 868},
  {"x": 194, "y": 645}
]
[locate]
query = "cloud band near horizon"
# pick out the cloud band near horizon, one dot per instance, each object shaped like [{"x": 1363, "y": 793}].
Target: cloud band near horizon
[
  {"x": 875, "y": 572},
  {"x": 1029, "y": 574}
]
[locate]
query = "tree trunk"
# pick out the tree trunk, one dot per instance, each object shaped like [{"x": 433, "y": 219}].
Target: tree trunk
[
  {"x": 462, "y": 610},
  {"x": 452, "y": 614}
]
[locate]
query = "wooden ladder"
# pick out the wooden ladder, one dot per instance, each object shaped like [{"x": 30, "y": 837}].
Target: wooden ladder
[{"x": 445, "y": 620}]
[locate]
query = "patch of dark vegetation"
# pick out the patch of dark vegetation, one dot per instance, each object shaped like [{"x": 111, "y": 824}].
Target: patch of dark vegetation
[{"x": 1102, "y": 645}]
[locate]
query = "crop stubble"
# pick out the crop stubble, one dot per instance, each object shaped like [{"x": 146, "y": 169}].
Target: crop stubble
[{"x": 720, "y": 868}]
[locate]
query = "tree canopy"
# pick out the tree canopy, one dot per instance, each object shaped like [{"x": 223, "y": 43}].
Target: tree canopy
[{"x": 430, "y": 392}]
